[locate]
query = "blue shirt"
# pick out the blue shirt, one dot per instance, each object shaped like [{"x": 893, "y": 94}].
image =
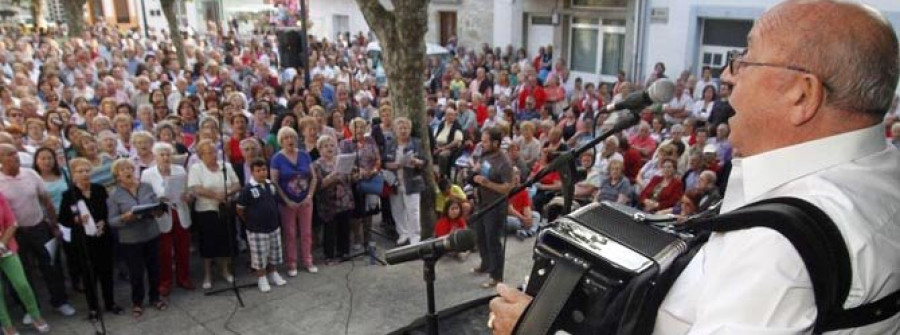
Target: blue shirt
[{"x": 294, "y": 179}]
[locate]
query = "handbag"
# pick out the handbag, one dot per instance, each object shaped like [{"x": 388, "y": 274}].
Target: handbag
[{"x": 373, "y": 185}]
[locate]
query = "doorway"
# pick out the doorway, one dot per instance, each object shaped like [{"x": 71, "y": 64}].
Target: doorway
[{"x": 448, "y": 26}]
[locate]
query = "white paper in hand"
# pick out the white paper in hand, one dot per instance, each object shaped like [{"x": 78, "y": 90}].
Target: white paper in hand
[
  {"x": 345, "y": 163},
  {"x": 90, "y": 227}
]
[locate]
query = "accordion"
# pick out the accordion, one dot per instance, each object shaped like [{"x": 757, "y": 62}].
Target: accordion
[{"x": 604, "y": 247}]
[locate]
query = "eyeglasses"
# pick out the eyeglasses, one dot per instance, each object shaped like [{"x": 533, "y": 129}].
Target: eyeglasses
[{"x": 736, "y": 62}]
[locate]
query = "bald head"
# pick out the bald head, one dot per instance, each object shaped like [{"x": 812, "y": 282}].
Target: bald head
[{"x": 857, "y": 60}]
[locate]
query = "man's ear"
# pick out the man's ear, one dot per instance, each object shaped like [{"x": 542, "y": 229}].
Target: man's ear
[{"x": 806, "y": 98}]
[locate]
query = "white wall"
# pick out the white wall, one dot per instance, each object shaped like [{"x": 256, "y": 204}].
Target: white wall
[
  {"x": 675, "y": 43},
  {"x": 321, "y": 14},
  {"x": 156, "y": 22}
]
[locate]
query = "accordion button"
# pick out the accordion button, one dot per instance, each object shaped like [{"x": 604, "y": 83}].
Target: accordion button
[{"x": 541, "y": 272}]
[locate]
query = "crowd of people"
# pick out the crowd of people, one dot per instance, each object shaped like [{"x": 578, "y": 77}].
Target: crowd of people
[{"x": 131, "y": 160}]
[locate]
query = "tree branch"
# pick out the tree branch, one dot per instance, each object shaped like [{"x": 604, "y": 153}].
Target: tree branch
[{"x": 373, "y": 11}]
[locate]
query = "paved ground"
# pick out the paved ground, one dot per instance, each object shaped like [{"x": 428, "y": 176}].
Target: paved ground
[{"x": 383, "y": 299}]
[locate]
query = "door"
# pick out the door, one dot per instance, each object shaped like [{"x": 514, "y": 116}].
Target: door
[
  {"x": 448, "y": 26},
  {"x": 341, "y": 25},
  {"x": 540, "y": 34}
]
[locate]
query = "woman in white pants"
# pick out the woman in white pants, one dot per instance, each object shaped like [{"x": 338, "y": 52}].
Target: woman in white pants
[{"x": 405, "y": 157}]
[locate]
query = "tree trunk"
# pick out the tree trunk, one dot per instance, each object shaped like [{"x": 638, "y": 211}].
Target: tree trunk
[
  {"x": 168, "y": 7},
  {"x": 401, "y": 33},
  {"x": 37, "y": 13},
  {"x": 75, "y": 15}
]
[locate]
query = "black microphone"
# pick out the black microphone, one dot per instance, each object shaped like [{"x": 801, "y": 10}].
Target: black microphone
[
  {"x": 460, "y": 240},
  {"x": 661, "y": 91}
]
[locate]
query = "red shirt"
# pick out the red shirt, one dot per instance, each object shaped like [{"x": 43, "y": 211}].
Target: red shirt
[
  {"x": 633, "y": 163},
  {"x": 539, "y": 97},
  {"x": 669, "y": 195},
  {"x": 446, "y": 225},
  {"x": 645, "y": 144},
  {"x": 234, "y": 144},
  {"x": 520, "y": 201},
  {"x": 481, "y": 114}
]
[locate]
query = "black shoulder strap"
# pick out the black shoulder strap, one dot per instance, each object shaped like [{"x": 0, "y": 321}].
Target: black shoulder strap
[{"x": 823, "y": 250}]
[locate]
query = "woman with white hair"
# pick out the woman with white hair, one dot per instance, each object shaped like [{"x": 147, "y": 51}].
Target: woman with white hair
[
  {"x": 334, "y": 201},
  {"x": 206, "y": 180},
  {"x": 169, "y": 182},
  {"x": 295, "y": 180},
  {"x": 138, "y": 234},
  {"x": 405, "y": 156},
  {"x": 142, "y": 151}
]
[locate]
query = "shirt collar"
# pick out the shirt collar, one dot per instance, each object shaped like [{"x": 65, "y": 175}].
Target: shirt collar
[
  {"x": 253, "y": 181},
  {"x": 754, "y": 176}
]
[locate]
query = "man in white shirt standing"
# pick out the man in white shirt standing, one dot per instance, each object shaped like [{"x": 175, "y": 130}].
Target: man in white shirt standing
[{"x": 807, "y": 125}]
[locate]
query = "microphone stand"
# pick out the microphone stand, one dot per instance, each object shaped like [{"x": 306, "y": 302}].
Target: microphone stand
[
  {"x": 231, "y": 239},
  {"x": 565, "y": 164}
]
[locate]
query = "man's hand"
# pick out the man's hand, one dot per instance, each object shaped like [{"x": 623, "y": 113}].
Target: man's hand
[
  {"x": 508, "y": 308},
  {"x": 479, "y": 179}
]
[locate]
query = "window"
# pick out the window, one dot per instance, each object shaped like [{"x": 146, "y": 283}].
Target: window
[
  {"x": 584, "y": 49},
  {"x": 597, "y": 45}
]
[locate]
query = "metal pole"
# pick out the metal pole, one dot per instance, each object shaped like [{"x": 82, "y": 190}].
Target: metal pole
[
  {"x": 144, "y": 15},
  {"x": 304, "y": 44},
  {"x": 431, "y": 319}
]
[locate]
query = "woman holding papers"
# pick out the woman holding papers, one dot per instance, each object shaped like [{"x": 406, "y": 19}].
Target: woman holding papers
[
  {"x": 334, "y": 200},
  {"x": 207, "y": 182},
  {"x": 138, "y": 233},
  {"x": 169, "y": 182},
  {"x": 404, "y": 156},
  {"x": 83, "y": 206}
]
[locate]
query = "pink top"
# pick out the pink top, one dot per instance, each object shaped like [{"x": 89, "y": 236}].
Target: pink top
[{"x": 7, "y": 220}]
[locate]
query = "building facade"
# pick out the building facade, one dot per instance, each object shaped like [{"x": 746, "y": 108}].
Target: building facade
[{"x": 596, "y": 37}]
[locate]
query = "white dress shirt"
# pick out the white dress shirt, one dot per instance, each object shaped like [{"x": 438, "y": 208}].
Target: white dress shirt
[{"x": 754, "y": 282}]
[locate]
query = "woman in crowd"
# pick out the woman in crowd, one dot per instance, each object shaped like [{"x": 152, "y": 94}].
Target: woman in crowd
[
  {"x": 206, "y": 181},
  {"x": 368, "y": 164},
  {"x": 703, "y": 108},
  {"x": 232, "y": 148},
  {"x": 94, "y": 250},
  {"x": 334, "y": 201},
  {"x": 529, "y": 145},
  {"x": 145, "y": 117},
  {"x": 100, "y": 172},
  {"x": 653, "y": 167},
  {"x": 190, "y": 122},
  {"x": 142, "y": 148},
  {"x": 47, "y": 166},
  {"x": 284, "y": 120},
  {"x": 309, "y": 128},
  {"x": 448, "y": 140},
  {"x": 169, "y": 182},
  {"x": 15, "y": 273},
  {"x": 616, "y": 187},
  {"x": 138, "y": 234},
  {"x": 663, "y": 191},
  {"x": 405, "y": 157},
  {"x": 295, "y": 182}
]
